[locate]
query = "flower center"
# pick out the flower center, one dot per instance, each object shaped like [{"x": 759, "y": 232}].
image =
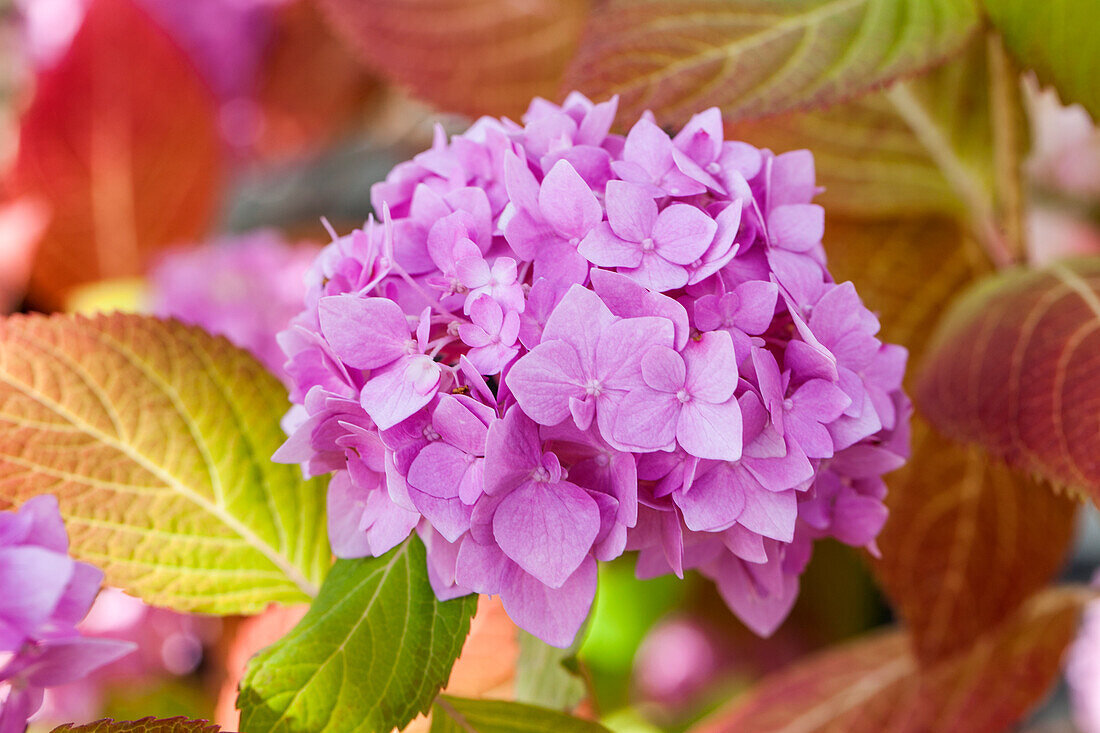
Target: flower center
[
  {"x": 430, "y": 433},
  {"x": 603, "y": 459},
  {"x": 541, "y": 475},
  {"x": 593, "y": 388},
  {"x": 647, "y": 244},
  {"x": 788, "y": 404},
  {"x": 411, "y": 347},
  {"x": 683, "y": 396}
]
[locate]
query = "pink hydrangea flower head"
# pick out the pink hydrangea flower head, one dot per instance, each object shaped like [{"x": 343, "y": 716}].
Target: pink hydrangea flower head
[
  {"x": 46, "y": 594},
  {"x": 559, "y": 344}
]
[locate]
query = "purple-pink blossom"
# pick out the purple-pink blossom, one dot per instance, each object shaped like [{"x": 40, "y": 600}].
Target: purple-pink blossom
[
  {"x": 46, "y": 594},
  {"x": 555, "y": 345}
]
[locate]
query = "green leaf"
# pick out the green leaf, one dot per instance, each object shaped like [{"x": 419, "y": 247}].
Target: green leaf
[
  {"x": 156, "y": 438},
  {"x": 1056, "y": 38},
  {"x": 373, "y": 651},
  {"x": 542, "y": 677},
  {"x": 1013, "y": 367},
  {"x": 145, "y": 725},
  {"x": 462, "y": 715},
  {"x": 759, "y": 57}
]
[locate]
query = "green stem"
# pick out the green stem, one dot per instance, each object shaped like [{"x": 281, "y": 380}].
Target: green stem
[{"x": 1007, "y": 118}]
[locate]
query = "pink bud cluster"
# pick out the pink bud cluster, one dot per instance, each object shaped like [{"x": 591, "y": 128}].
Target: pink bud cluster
[{"x": 557, "y": 344}]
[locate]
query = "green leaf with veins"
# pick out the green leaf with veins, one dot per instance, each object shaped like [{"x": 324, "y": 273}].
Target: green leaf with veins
[
  {"x": 373, "y": 651},
  {"x": 1057, "y": 39},
  {"x": 157, "y": 438},
  {"x": 462, "y": 715}
]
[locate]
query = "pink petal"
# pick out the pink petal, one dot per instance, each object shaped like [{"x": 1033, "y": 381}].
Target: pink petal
[
  {"x": 797, "y": 227},
  {"x": 567, "y": 203},
  {"x": 683, "y": 233},
  {"x": 631, "y": 211},
  {"x": 715, "y": 500},
  {"x": 627, "y": 299},
  {"x": 646, "y": 420},
  {"x": 601, "y": 247},
  {"x": 544, "y": 379},
  {"x": 710, "y": 431},
  {"x": 771, "y": 514},
  {"x": 365, "y": 333},
  {"x": 711, "y": 367},
  {"x": 393, "y": 394},
  {"x": 657, "y": 273},
  {"x": 553, "y": 615},
  {"x": 663, "y": 369},
  {"x": 547, "y": 529}
]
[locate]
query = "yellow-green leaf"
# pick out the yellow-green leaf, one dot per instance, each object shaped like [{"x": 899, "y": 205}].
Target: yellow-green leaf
[{"x": 156, "y": 438}]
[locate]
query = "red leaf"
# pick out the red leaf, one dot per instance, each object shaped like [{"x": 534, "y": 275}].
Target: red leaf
[
  {"x": 468, "y": 56},
  {"x": 1015, "y": 366},
  {"x": 967, "y": 542},
  {"x": 121, "y": 143},
  {"x": 875, "y": 684}
]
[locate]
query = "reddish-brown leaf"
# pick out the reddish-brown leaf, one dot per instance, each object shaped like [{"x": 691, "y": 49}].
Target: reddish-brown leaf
[
  {"x": 1015, "y": 367},
  {"x": 905, "y": 269},
  {"x": 468, "y": 56},
  {"x": 967, "y": 542},
  {"x": 145, "y": 725},
  {"x": 875, "y": 684},
  {"x": 758, "y": 57},
  {"x": 312, "y": 87},
  {"x": 121, "y": 143}
]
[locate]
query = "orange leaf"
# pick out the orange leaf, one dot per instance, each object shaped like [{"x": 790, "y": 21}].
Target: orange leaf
[
  {"x": 875, "y": 683},
  {"x": 467, "y": 56},
  {"x": 754, "y": 58},
  {"x": 967, "y": 542},
  {"x": 121, "y": 142},
  {"x": 312, "y": 87},
  {"x": 1014, "y": 367}
]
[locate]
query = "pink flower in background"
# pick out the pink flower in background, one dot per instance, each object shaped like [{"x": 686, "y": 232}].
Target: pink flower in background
[
  {"x": 46, "y": 594},
  {"x": 1083, "y": 672},
  {"x": 246, "y": 288},
  {"x": 558, "y": 344}
]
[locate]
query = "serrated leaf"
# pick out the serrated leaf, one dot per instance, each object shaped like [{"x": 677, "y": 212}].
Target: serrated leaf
[
  {"x": 759, "y": 57},
  {"x": 905, "y": 269},
  {"x": 145, "y": 725},
  {"x": 875, "y": 684},
  {"x": 1013, "y": 367},
  {"x": 542, "y": 677},
  {"x": 967, "y": 542},
  {"x": 373, "y": 651},
  {"x": 156, "y": 438},
  {"x": 468, "y": 56},
  {"x": 121, "y": 143},
  {"x": 462, "y": 715},
  {"x": 870, "y": 160},
  {"x": 1056, "y": 38}
]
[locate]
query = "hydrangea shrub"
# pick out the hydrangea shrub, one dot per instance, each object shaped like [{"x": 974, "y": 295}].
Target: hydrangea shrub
[{"x": 556, "y": 344}]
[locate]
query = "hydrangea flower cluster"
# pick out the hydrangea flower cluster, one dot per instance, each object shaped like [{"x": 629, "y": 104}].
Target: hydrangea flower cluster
[
  {"x": 46, "y": 594},
  {"x": 558, "y": 344},
  {"x": 245, "y": 287}
]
